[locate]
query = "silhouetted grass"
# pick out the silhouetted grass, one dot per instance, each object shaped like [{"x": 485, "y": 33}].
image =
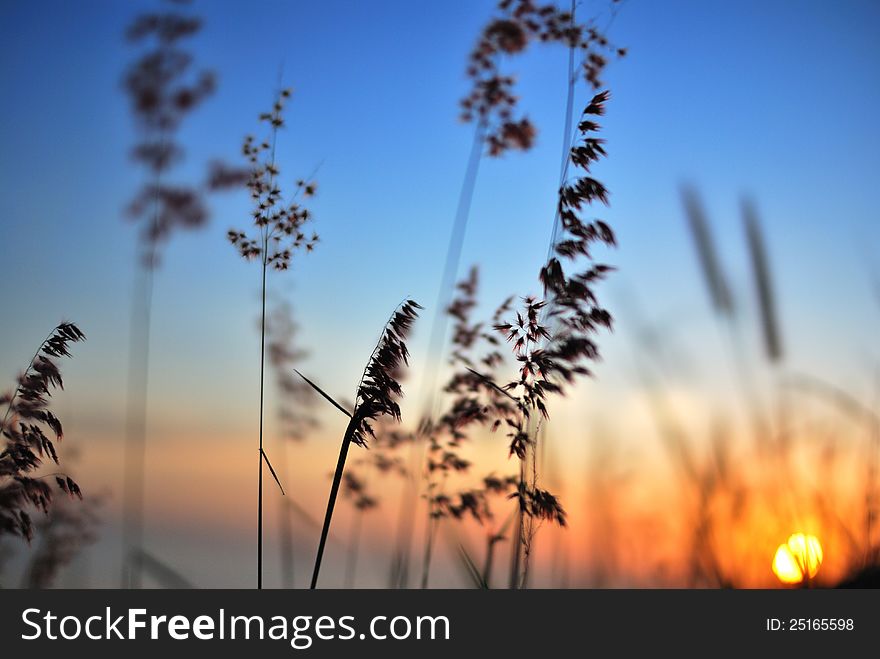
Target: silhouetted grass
[
  {"x": 376, "y": 396},
  {"x": 491, "y": 105},
  {"x": 277, "y": 235},
  {"x": 25, "y": 428}
]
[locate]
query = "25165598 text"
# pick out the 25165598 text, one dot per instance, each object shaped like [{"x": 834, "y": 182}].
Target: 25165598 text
[{"x": 809, "y": 624}]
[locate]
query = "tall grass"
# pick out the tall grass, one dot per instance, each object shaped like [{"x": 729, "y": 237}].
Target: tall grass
[
  {"x": 278, "y": 234},
  {"x": 556, "y": 346},
  {"x": 376, "y": 396},
  {"x": 25, "y": 429},
  {"x": 492, "y": 105},
  {"x": 550, "y": 356},
  {"x": 163, "y": 90}
]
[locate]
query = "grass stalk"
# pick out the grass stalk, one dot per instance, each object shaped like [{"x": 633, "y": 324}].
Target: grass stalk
[
  {"x": 516, "y": 544},
  {"x": 135, "y": 446},
  {"x": 350, "y": 430},
  {"x": 377, "y": 392},
  {"x": 262, "y": 380},
  {"x": 399, "y": 572}
]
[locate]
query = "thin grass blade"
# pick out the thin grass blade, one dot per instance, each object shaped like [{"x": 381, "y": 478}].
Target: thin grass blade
[
  {"x": 274, "y": 475},
  {"x": 324, "y": 394},
  {"x": 471, "y": 568}
]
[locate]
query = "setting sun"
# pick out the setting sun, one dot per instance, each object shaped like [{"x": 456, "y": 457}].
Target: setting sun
[{"x": 798, "y": 559}]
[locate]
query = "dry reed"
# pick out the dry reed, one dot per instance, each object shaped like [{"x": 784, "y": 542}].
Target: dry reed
[
  {"x": 25, "y": 428},
  {"x": 376, "y": 396}
]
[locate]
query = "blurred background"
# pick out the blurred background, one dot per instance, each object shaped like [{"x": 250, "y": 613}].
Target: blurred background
[{"x": 695, "y": 450}]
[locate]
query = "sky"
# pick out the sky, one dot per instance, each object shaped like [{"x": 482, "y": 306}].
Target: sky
[{"x": 772, "y": 100}]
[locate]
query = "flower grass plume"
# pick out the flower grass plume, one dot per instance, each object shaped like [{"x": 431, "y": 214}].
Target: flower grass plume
[
  {"x": 25, "y": 425},
  {"x": 492, "y": 100},
  {"x": 377, "y": 394},
  {"x": 379, "y": 387},
  {"x": 163, "y": 90},
  {"x": 552, "y": 337},
  {"x": 279, "y": 224}
]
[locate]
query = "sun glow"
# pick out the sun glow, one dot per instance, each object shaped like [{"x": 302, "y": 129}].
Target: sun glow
[{"x": 798, "y": 560}]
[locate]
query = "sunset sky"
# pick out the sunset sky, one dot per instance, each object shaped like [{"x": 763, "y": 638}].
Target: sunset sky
[{"x": 777, "y": 101}]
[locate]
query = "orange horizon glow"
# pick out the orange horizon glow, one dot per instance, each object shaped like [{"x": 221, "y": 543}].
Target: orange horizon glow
[{"x": 621, "y": 532}]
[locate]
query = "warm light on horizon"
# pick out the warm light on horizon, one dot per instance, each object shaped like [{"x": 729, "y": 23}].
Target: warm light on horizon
[{"x": 798, "y": 559}]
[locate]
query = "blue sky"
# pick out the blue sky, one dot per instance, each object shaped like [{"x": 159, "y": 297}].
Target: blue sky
[{"x": 775, "y": 100}]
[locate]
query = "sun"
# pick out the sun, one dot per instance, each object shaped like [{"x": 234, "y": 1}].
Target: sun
[{"x": 798, "y": 560}]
